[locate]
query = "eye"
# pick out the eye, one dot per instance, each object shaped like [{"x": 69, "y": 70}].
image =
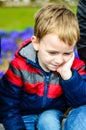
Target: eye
[
  {"x": 67, "y": 54},
  {"x": 52, "y": 53}
]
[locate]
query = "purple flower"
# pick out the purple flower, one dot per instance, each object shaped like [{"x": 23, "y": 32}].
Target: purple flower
[
  {"x": 14, "y": 34},
  {"x": 28, "y": 33},
  {"x": 3, "y": 33},
  {"x": 8, "y": 47},
  {"x": 1, "y": 73},
  {"x": 0, "y": 46},
  {"x": 1, "y": 60},
  {"x": 8, "y": 44}
]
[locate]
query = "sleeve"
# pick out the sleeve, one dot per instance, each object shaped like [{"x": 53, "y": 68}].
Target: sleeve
[
  {"x": 81, "y": 15},
  {"x": 75, "y": 89},
  {"x": 10, "y": 96}
]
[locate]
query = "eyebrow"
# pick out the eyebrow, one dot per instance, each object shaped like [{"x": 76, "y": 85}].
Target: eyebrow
[
  {"x": 69, "y": 52},
  {"x": 58, "y": 51}
]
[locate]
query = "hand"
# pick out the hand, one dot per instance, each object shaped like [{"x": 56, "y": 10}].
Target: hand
[{"x": 65, "y": 69}]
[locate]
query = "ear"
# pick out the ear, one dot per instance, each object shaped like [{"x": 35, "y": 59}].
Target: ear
[{"x": 35, "y": 43}]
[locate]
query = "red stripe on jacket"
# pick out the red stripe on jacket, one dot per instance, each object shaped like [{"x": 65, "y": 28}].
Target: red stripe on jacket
[
  {"x": 54, "y": 91},
  {"x": 14, "y": 78},
  {"x": 79, "y": 66},
  {"x": 22, "y": 65}
]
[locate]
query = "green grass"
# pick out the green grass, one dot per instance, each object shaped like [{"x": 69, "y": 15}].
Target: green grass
[{"x": 18, "y": 18}]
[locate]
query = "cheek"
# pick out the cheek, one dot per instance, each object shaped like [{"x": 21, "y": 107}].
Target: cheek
[
  {"x": 47, "y": 59},
  {"x": 44, "y": 57},
  {"x": 67, "y": 58}
]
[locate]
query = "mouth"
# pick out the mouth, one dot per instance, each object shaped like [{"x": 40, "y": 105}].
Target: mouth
[{"x": 54, "y": 66}]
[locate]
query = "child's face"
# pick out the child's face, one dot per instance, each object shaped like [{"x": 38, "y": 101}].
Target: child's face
[{"x": 52, "y": 52}]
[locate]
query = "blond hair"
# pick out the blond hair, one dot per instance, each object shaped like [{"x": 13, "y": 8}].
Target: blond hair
[{"x": 53, "y": 18}]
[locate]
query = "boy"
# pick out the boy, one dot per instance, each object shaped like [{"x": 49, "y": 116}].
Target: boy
[{"x": 44, "y": 78}]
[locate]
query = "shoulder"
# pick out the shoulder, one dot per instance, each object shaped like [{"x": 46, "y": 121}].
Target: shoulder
[
  {"x": 78, "y": 63},
  {"x": 79, "y": 66}
]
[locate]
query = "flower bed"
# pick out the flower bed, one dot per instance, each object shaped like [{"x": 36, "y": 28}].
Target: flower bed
[{"x": 9, "y": 44}]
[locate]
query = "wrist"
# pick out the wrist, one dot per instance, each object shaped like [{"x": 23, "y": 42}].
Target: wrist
[{"x": 66, "y": 75}]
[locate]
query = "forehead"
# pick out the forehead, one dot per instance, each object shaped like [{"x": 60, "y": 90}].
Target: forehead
[{"x": 52, "y": 42}]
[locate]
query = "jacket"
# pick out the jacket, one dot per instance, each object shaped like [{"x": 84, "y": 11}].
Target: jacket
[
  {"x": 26, "y": 89},
  {"x": 81, "y": 15}
]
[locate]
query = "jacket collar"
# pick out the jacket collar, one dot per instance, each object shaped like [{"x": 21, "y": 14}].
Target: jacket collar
[{"x": 28, "y": 53}]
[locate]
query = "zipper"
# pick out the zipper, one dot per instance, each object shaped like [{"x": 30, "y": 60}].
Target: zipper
[{"x": 47, "y": 79}]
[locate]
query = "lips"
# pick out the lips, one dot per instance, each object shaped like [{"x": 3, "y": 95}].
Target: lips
[{"x": 54, "y": 66}]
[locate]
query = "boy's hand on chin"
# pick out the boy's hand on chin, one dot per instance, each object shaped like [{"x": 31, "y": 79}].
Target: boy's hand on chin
[{"x": 65, "y": 69}]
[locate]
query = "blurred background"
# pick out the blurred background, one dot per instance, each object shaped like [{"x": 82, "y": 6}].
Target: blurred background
[{"x": 16, "y": 25}]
